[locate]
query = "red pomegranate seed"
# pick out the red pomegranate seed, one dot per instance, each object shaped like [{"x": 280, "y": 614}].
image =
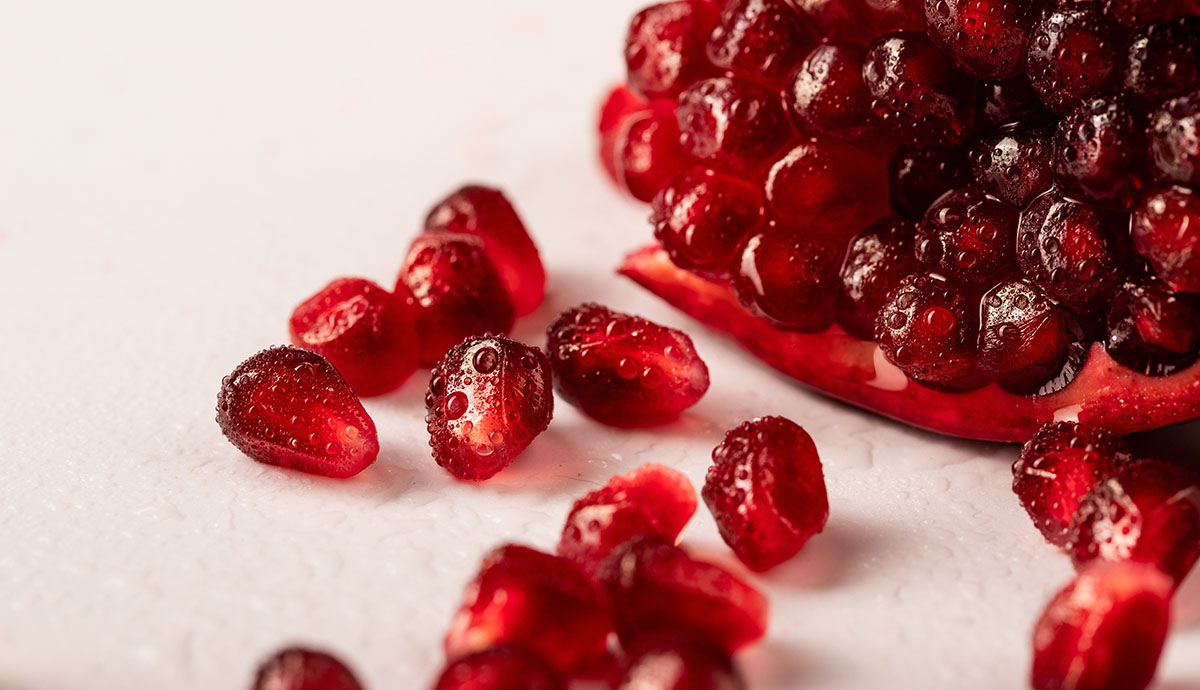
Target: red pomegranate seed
[
  {"x": 916, "y": 92},
  {"x": 488, "y": 399},
  {"x": 498, "y": 668},
  {"x": 700, "y": 218},
  {"x": 678, "y": 661},
  {"x": 766, "y": 489},
  {"x": 1153, "y": 330},
  {"x": 1058, "y": 467},
  {"x": 759, "y": 39},
  {"x": 1099, "y": 154},
  {"x": 1009, "y": 100},
  {"x": 986, "y": 38},
  {"x": 1148, "y": 511},
  {"x": 927, "y": 328},
  {"x": 920, "y": 177},
  {"x": 296, "y": 668},
  {"x": 838, "y": 20},
  {"x": 1175, "y": 140},
  {"x": 877, "y": 259},
  {"x": 458, "y": 290},
  {"x": 789, "y": 280},
  {"x": 368, "y": 333},
  {"x": 291, "y": 408},
  {"x": 651, "y": 499},
  {"x": 623, "y": 370},
  {"x": 1024, "y": 337},
  {"x": 969, "y": 238},
  {"x": 825, "y": 94},
  {"x": 529, "y": 599},
  {"x": 648, "y": 153},
  {"x": 1135, "y": 13},
  {"x": 655, "y": 586},
  {"x": 619, "y": 106},
  {"x": 808, "y": 185},
  {"x": 664, "y": 49},
  {"x": 732, "y": 125},
  {"x": 1074, "y": 55},
  {"x": 1163, "y": 61},
  {"x": 1104, "y": 631},
  {"x": 1013, "y": 163},
  {"x": 487, "y": 214},
  {"x": 1166, "y": 233}
]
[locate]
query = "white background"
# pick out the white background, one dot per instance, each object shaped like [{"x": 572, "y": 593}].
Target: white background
[{"x": 175, "y": 176}]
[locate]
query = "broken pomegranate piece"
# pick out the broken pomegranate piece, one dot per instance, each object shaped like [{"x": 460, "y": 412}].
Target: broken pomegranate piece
[
  {"x": 291, "y": 408},
  {"x": 766, "y": 489},
  {"x": 529, "y": 599},
  {"x": 488, "y": 399},
  {"x": 656, "y": 586},
  {"x": 498, "y": 668},
  {"x": 1104, "y": 631},
  {"x": 678, "y": 661},
  {"x": 368, "y": 333},
  {"x": 651, "y": 499},
  {"x": 297, "y": 668},
  {"x": 623, "y": 370}
]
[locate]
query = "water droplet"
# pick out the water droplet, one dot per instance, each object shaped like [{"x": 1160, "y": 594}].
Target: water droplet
[
  {"x": 456, "y": 405},
  {"x": 485, "y": 360}
]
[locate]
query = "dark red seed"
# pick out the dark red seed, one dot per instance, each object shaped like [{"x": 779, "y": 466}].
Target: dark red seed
[
  {"x": 488, "y": 399},
  {"x": 732, "y": 125},
  {"x": 759, "y": 40},
  {"x": 1163, "y": 61},
  {"x": 296, "y": 668},
  {"x": 648, "y": 154},
  {"x": 1153, "y": 330},
  {"x": 1024, "y": 337},
  {"x": 986, "y": 38},
  {"x": 700, "y": 218},
  {"x": 877, "y": 259},
  {"x": 807, "y": 186},
  {"x": 788, "y": 279},
  {"x": 1013, "y": 163},
  {"x": 969, "y": 238},
  {"x": 1135, "y": 13},
  {"x": 368, "y": 333},
  {"x": 620, "y": 105},
  {"x": 927, "y": 328},
  {"x": 1009, "y": 100},
  {"x": 825, "y": 94},
  {"x": 1099, "y": 154},
  {"x": 664, "y": 49},
  {"x": 917, "y": 93},
  {"x": 1074, "y": 55},
  {"x": 498, "y": 668},
  {"x": 921, "y": 176},
  {"x": 678, "y": 661},
  {"x": 1166, "y": 233},
  {"x": 291, "y": 408},
  {"x": 1175, "y": 140},
  {"x": 1104, "y": 631},
  {"x": 766, "y": 490}
]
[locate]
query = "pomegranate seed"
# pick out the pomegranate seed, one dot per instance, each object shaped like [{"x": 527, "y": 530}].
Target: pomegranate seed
[
  {"x": 876, "y": 261},
  {"x": 1074, "y": 56},
  {"x": 368, "y": 333},
  {"x": 986, "y": 38},
  {"x": 296, "y": 668},
  {"x": 837, "y": 20},
  {"x": 1099, "y": 154},
  {"x": 732, "y": 125},
  {"x": 291, "y": 408},
  {"x": 624, "y": 370},
  {"x": 789, "y": 280},
  {"x": 766, "y": 489},
  {"x": 648, "y": 153},
  {"x": 808, "y": 185},
  {"x": 1166, "y": 233},
  {"x": 1163, "y": 61},
  {"x": 619, "y": 106},
  {"x": 487, "y": 214},
  {"x": 1013, "y": 163},
  {"x": 825, "y": 94},
  {"x": 498, "y": 668},
  {"x": 488, "y": 399},
  {"x": 1058, "y": 467},
  {"x": 920, "y": 177},
  {"x": 927, "y": 329},
  {"x": 1009, "y": 100},
  {"x": 1153, "y": 330},
  {"x": 656, "y": 586},
  {"x": 678, "y": 661},
  {"x": 758, "y": 39},
  {"x": 1148, "y": 512},
  {"x": 969, "y": 238},
  {"x": 916, "y": 92},
  {"x": 458, "y": 291},
  {"x": 651, "y": 499},
  {"x": 1024, "y": 337},
  {"x": 1104, "y": 631},
  {"x": 700, "y": 218},
  {"x": 1066, "y": 248},
  {"x": 1175, "y": 140},
  {"x": 1135, "y": 13},
  {"x": 664, "y": 49},
  {"x": 529, "y": 599}
]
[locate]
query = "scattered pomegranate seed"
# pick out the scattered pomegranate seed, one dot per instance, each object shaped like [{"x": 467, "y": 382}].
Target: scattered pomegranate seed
[
  {"x": 655, "y": 586},
  {"x": 648, "y": 153},
  {"x": 619, "y": 106},
  {"x": 927, "y": 328},
  {"x": 825, "y": 94},
  {"x": 788, "y": 280},
  {"x": 1175, "y": 140},
  {"x": 732, "y": 125},
  {"x": 986, "y": 38},
  {"x": 487, "y": 214},
  {"x": 623, "y": 370},
  {"x": 458, "y": 291},
  {"x": 1166, "y": 233},
  {"x": 766, "y": 489},
  {"x": 664, "y": 49},
  {"x": 808, "y": 186},
  {"x": 488, "y": 399},
  {"x": 291, "y": 408},
  {"x": 1009, "y": 100},
  {"x": 1013, "y": 163},
  {"x": 542, "y": 603},
  {"x": 368, "y": 333},
  {"x": 1164, "y": 61},
  {"x": 296, "y": 668},
  {"x": 1058, "y": 467},
  {"x": 916, "y": 92},
  {"x": 1099, "y": 154},
  {"x": 678, "y": 661},
  {"x": 759, "y": 39},
  {"x": 1074, "y": 55},
  {"x": 920, "y": 176},
  {"x": 498, "y": 668},
  {"x": 876, "y": 261},
  {"x": 970, "y": 238},
  {"x": 1024, "y": 337},
  {"x": 1152, "y": 329},
  {"x": 700, "y": 218},
  {"x": 651, "y": 499},
  {"x": 1104, "y": 631}
]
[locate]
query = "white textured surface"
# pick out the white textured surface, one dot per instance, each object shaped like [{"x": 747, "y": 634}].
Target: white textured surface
[{"x": 175, "y": 176}]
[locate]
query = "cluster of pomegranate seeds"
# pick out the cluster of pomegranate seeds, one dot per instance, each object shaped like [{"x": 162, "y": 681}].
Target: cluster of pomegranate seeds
[
  {"x": 296, "y": 668},
  {"x": 291, "y": 408},
  {"x": 498, "y": 668},
  {"x": 623, "y": 370},
  {"x": 766, "y": 489},
  {"x": 678, "y": 661},
  {"x": 488, "y": 399}
]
